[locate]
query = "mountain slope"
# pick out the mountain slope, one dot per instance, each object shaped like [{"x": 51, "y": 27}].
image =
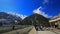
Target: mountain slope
[
  {"x": 36, "y": 19},
  {"x": 9, "y": 18}
]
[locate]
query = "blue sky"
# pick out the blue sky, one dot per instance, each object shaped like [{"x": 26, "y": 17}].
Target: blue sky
[{"x": 28, "y": 7}]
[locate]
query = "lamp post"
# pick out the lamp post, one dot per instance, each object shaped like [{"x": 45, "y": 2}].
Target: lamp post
[{"x": 14, "y": 21}]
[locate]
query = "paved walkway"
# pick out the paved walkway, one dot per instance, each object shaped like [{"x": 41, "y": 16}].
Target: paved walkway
[{"x": 45, "y": 32}]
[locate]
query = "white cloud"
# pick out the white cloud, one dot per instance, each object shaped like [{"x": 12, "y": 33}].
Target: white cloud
[
  {"x": 54, "y": 17},
  {"x": 45, "y": 1},
  {"x": 20, "y": 15},
  {"x": 39, "y": 11}
]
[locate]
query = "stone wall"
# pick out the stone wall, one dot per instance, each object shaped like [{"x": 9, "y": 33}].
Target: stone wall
[
  {"x": 33, "y": 31},
  {"x": 27, "y": 30}
]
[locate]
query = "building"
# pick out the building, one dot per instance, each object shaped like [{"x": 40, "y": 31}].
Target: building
[{"x": 55, "y": 22}]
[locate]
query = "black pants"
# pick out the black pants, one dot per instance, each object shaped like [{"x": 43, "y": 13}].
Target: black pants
[{"x": 56, "y": 26}]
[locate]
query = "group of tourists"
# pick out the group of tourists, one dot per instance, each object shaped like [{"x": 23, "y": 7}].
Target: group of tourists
[{"x": 41, "y": 28}]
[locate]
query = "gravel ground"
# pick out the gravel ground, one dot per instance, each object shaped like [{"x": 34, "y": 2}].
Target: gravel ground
[{"x": 45, "y": 32}]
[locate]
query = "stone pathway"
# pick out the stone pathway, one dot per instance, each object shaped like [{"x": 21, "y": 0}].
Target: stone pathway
[
  {"x": 45, "y": 32},
  {"x": 56, "y": 31}
]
